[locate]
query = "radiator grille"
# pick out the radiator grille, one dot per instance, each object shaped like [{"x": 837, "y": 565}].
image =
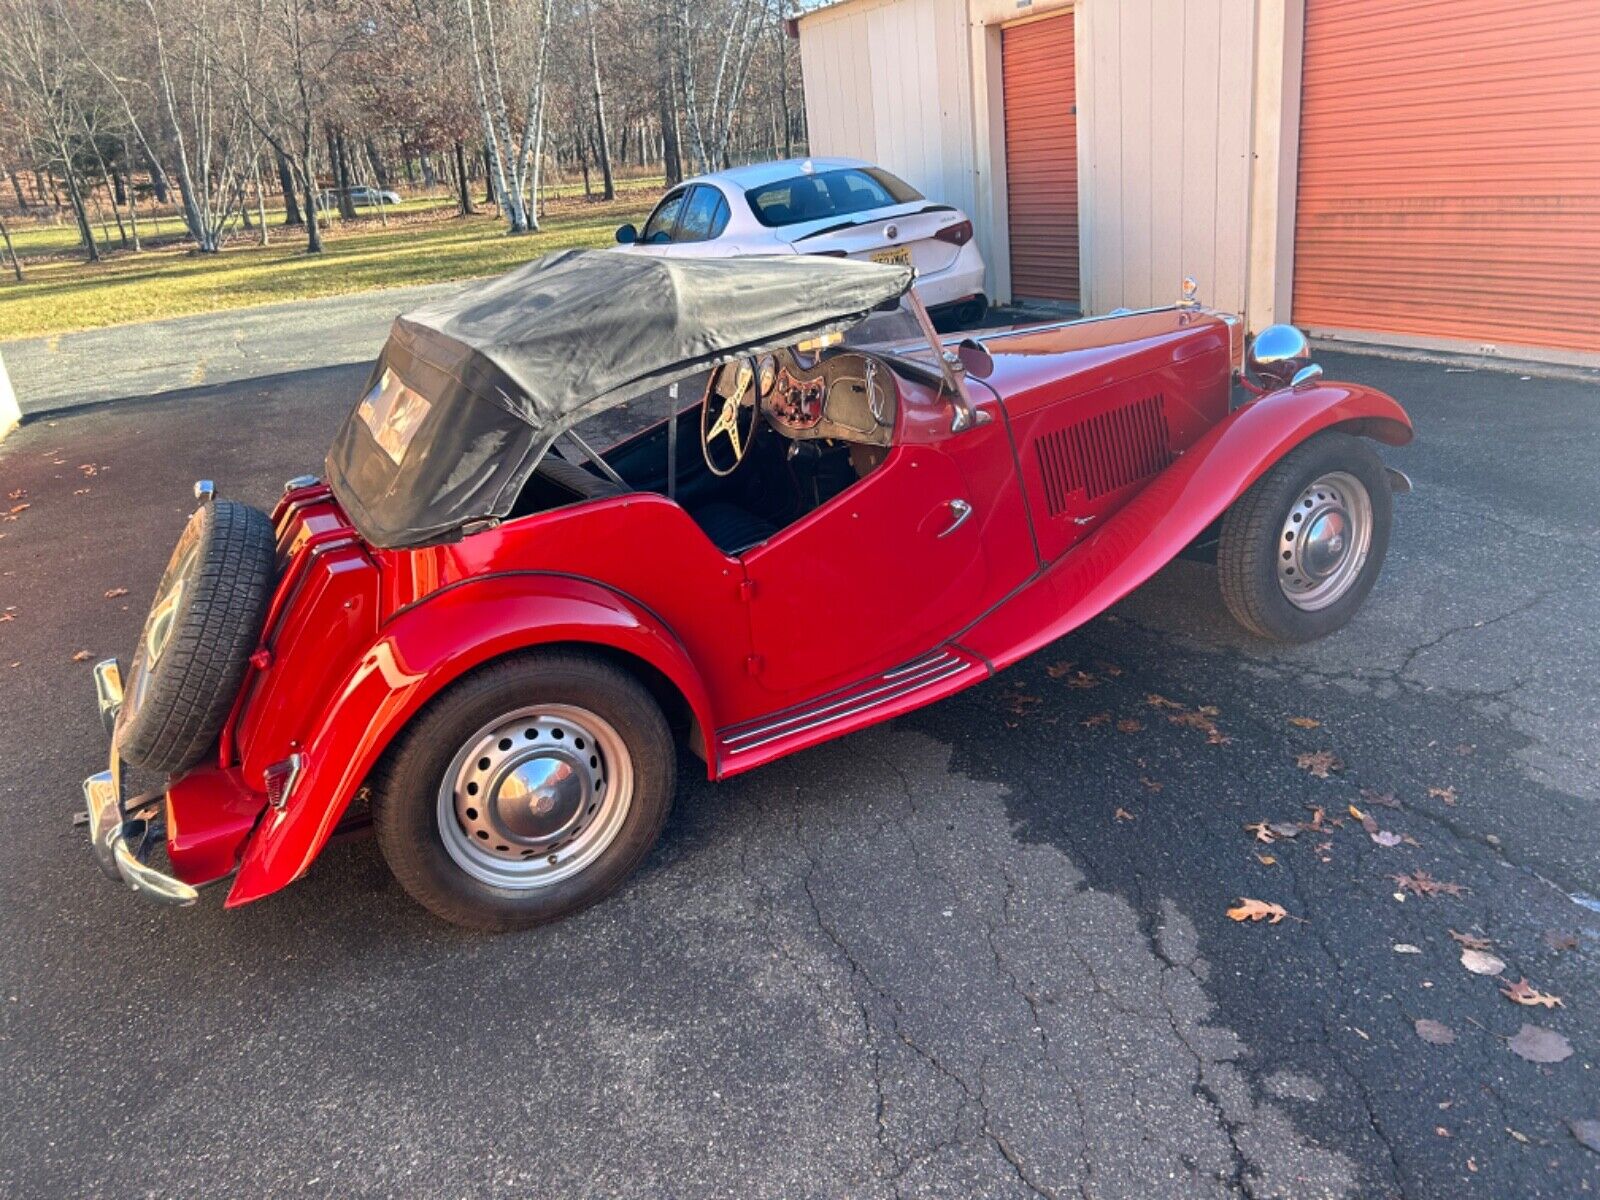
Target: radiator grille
[{"x": 1103, "y": 453}]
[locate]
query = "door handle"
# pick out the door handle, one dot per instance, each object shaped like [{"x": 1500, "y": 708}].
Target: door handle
[{"x": 960, "y": 510}]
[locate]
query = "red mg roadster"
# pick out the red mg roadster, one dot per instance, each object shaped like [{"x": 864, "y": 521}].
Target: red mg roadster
[{"x": 488, "y": 639}]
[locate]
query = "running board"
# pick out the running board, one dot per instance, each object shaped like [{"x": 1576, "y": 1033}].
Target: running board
[{"x": 906, "y": 687}]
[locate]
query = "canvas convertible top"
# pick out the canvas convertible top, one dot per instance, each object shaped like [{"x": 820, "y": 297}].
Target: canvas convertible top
[{"x": 470, "y": 391}]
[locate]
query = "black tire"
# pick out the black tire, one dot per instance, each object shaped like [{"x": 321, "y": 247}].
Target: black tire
[
  {"x": 406, "y": 785},
  {"x": 1250, "y": 550},
  {"x": 173, "y": 708}
]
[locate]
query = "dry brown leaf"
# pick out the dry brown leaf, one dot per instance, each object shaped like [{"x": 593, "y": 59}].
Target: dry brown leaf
[
  {"x": 1057, "y": 670},
  {"x": 1257, "y": 910},
  {"x": 1150, "y": 784},
  {"x": 1385, "y": 799},
  {"x": 1524, "y": 993},
  {"x": 1155, "y": 701},
  {"x": 16, "y": 493},
  {"x": 1262, "y": 831},
  {"x": 1435, "y": 1033},
  {"x": 1539, "y": 1045},
  {"x": 1129, "y": 725},
  {"x": 1124, "y": 815},
  {"x": 1094, "y": 719},
  {"x": 1022, "y": 704},
  {"x": 1471, "y": 940},
  {"x": 1420, "y": 883},
  {"x": 17, "y": 510},
  {"x": 8, "y": 616},
  {"x": 80, "y": 491},
  {"x": 82, "y": 656},
  {"x": 1317, "y": 814},
  {"x": 1447, "y": 794},
  {"x": 1481, "y": 962},
  {"x": 1305, "y": 722},
  {"x": 1558, "y": 941},
  {"x": 1284, "y": 829},
  {"x": 88, "y": 469},
  {"x": 1083, "y": 679},
  {"x": 1320, "y": 763},
  {"x": 1266, "y": 860},
  {"x": 115, "y": 592}
]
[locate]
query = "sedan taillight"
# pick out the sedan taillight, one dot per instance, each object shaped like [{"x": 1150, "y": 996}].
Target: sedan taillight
[
  {"x": 828, "y": 254},
  {"x": 958, "y": 234}
]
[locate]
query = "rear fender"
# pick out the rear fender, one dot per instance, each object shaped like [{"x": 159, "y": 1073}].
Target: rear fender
[
  {"x": 419, "y": 652},
  {"x": 1154, "y": 527}
]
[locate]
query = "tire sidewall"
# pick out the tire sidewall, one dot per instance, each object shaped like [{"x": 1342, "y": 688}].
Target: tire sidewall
[
  {"x": 407, "y": 793},
  {"x": 1258, "y": 556}
]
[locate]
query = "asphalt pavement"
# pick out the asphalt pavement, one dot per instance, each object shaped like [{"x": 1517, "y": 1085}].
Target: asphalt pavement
[{"x": 980, "y": 951}]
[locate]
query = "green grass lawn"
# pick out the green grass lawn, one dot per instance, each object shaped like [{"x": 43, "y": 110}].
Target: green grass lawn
[{"x": 64, "y": 293}]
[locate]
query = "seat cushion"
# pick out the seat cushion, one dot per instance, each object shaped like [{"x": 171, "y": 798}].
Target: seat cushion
[
  {"x": 574, "y": 478},
  {"x": 731, "y": 528}
]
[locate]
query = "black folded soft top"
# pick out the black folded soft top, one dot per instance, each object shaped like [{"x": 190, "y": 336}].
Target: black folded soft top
[{"x": 470, "y": 391}]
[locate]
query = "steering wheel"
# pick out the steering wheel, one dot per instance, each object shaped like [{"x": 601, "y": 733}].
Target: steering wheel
[{"x": 720, "y": 415}]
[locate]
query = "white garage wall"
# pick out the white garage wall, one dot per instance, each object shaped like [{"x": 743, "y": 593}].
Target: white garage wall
[{"x": 891, "y": 82}]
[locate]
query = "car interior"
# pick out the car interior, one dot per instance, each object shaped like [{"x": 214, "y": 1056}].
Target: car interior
[{"x": 767, "y": 440}]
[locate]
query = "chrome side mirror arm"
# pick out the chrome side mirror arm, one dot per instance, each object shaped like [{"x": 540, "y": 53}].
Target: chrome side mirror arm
[{"x": 967, "y": 414}]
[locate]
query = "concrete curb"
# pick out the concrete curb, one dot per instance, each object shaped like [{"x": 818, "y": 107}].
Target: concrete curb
[{"x": 10, "y": 414}]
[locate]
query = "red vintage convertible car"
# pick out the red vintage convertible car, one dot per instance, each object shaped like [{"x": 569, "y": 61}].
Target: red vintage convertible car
[{"x": 489, "y": 639}]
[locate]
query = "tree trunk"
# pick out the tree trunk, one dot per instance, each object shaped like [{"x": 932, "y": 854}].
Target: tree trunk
[
  {"x": 347, "y": 203},
  {"x": 430, "y": 175},
  {"x": 488, "y": 177},
  {"x": 602, "y": 146},
  {"x": 666, "y": 96},
  {"x": 309, "y": 178},
  {"x": 81, "y": 214},
  {"x": 379, "y": 170},
  {"x": 291, "y": 206},
  {"x": 16, "y": 263},
  {"x": 411, "y": 174},
  {"x": 463, "y": 192},
  {"x": 158, "y": 180}
]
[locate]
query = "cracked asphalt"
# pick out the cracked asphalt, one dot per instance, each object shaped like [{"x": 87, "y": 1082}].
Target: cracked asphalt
[{"x": 980, "y": 951}]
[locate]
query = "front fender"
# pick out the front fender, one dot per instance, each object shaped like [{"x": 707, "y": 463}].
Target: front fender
[
  {"x": 417, "y": 653},
  {"x": 1152, "y": 528}
]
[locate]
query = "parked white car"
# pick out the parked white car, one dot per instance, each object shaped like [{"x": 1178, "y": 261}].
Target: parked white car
[{"x": 836, "y": 206}]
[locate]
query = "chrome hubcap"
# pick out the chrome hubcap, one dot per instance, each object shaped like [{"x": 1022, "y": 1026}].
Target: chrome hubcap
[
  {"x": 535, "y": 796},
  {"x": 1324, "y": 541},
  {"x": 158, "y": 627}
]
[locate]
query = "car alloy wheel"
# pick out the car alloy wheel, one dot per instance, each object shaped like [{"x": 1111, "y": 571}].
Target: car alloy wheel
[
  {"x": 535, "y": 796},
  {"x": 1325, "y": 536}
]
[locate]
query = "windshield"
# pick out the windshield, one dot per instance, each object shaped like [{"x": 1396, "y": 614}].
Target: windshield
[{"x": 823, "y": 194}]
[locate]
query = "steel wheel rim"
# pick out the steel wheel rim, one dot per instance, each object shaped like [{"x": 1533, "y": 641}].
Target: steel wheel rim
[
  {"x": 158, "y": 627},
  {"x": 1323, "y": 544},
  {"x": 535, "y": 796}
]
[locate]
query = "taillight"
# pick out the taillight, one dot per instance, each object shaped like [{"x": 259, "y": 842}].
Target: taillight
[
  {"x": 958, "y": 234},
  {"x": 828, "y": 254}
]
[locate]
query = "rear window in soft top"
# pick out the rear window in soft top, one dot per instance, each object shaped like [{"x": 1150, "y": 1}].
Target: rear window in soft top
[{"x": 823, "y": 194}]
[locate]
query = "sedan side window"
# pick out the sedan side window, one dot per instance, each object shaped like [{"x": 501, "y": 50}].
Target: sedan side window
[
  {"x": 658, "y": 229},
  {"x": 699, "y": 220}
]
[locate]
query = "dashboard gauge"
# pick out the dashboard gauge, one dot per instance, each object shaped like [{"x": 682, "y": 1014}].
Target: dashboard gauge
[{"x": 767, "y": 373}]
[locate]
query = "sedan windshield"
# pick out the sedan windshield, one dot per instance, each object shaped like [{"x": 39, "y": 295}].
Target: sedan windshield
[{"x": 823, "y": 194}]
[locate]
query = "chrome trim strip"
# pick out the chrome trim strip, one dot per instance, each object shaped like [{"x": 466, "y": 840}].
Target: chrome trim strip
[
  {"x": 907, "y": 678},
  {"x": 949, "y": 672},
  {"x": 916, "y": 664}
]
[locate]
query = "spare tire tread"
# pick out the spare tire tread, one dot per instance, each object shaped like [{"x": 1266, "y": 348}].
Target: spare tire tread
[{"x": 218, "y": 627}]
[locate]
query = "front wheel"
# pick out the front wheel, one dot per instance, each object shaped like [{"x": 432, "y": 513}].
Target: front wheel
[
  {"x": 527, "y": 791},
  {"x": 1300, "y": 550}
]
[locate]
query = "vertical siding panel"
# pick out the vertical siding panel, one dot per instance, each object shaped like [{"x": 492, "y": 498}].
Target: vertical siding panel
[
  {"x": 1235, "y": 64},
  {"x": 1101, "y": 224},
  {"x": 1168, "y": 101},
  {"x": 1135, "y": 50},
  {"x": 1202, "y": 20}
]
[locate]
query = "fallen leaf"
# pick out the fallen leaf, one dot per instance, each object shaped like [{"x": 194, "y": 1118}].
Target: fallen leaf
[
  {"x": 1305, "y": 722},
  {"x": 1442, "y": 1131},
  {"x": 1316, "y": 819},
  {"x": 1083, "y": 679},
  {"x": 1284, "y": 829},
  {"x": 1266, "y": 860},
  {"x": 1447, "y": 794},
  {"x": 16, "y": 493},
  {"x": 1262, "y": 831},
  {"x": 1386, "y": 799},
  {"x": 1022, "y": 704},
  {"x": 1129, "y": 725},
  {"x": 17, "y": 509},
  {"x": 1150, "y": 784},
  {"x": 1209, "y": 710},
  {"x": 88, "y": 469},
  {"x": 1524, "y": 993},
  {"x": 1422, "y": 884},
  {"x": 1256, "y": 910},
  {"x": 82, "y": 656},
  {"x": 1384, "y": 838},
  {"x": 1057, "y": 670},
  {"x": 1406, "y": 948},
  {"x": 80, "y": 491},
  {"x": 1435, "y": 1033},
  {"x": 1110, "y": 669},
  {"x": 1155, "y": 701},
  {"x": 1539, "y": 1045},
  {"x": 1557, "y": 941},
  {"x": 8, "y": 616},
  {"x": 1471, "y": 940},
  {"x": 1481, "y": 962},
  {"x": 1094, "y": 719},
  {"x": 1587, "y": 1132},
  {"x": 1320, "y": 763},
  {"x": 115, "y": 592},
  {"x": 1124, "y": 815},
  {"x": 1367, "y": 822}
]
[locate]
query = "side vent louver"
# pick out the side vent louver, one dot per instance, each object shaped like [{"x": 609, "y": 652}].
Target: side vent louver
[{"x": 1103, "y": 453}]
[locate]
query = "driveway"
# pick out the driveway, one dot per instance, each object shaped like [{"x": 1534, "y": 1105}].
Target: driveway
[{"x": 980, "y": 951}]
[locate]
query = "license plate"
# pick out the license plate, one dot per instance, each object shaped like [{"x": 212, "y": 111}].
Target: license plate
[{"x": 899, "y": 256}]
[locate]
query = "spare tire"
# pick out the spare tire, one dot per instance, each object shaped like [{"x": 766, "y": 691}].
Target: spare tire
[{"x": 198, "y": 637}]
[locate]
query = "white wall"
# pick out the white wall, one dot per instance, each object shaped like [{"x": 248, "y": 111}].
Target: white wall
[{"x": 1166, "y": 93}]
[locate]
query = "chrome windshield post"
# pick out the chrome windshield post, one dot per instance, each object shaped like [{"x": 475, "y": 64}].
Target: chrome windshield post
[{"x": 951, "y": 367}]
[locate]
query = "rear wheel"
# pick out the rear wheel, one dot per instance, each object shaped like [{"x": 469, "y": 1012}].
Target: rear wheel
[
  {"x": 1301, "y": 549},
  {"x": 527, "y": 791}
]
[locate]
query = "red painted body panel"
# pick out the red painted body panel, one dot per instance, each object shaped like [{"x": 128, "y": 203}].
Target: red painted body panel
[{"x": 1108, "y": 446}]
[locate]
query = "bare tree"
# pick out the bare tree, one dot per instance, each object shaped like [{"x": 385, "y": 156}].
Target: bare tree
[{"x": 515, "y": 159}]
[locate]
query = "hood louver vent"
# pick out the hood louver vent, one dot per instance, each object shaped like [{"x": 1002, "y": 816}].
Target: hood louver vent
[{"x": 1104, "y": 452}]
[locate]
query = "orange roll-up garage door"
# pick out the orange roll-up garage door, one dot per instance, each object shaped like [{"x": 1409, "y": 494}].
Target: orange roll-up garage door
[
  {"x": 1041, "y": 158},
  {"x": 1449, "y": 179}
]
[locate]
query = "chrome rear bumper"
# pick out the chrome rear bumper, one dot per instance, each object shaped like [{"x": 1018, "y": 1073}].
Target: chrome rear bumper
[{"x": 123, "y": 836}]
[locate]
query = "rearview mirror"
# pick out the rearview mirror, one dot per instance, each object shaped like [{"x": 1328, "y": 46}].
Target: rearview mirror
[{"x": 627, "y": 234}]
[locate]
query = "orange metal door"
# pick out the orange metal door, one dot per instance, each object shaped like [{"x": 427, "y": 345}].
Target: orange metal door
[
  {"x": 1041, "y": 107},
  {"x": 1449, "y": 172}
]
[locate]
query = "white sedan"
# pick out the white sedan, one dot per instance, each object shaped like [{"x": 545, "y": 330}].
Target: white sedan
[{"x": 836, "y": 206}]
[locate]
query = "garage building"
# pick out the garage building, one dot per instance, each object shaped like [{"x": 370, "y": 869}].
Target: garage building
[{"x": 1420, "y": 173}]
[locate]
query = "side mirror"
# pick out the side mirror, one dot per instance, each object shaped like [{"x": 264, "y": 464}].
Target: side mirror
[
  {"x": 1278, "y": 355},
  {"x": 627, "y": 235},
  {"x": 978, "y": 361}
]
